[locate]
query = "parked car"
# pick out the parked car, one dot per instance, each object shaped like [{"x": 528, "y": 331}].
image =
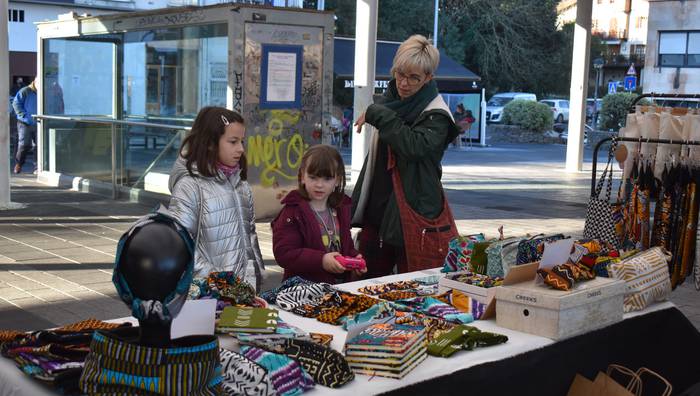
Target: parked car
[
  {"x": 495, "y": 105},
  {"x": 560, "y": 109}
]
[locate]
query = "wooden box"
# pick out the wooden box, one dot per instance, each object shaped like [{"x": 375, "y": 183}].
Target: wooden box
[
  {"x": 485, "y": 295},
  {"x": 556, "y": 314}
]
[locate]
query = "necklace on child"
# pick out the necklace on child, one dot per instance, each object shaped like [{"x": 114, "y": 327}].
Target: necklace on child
[{"x": 330, "y": 239}]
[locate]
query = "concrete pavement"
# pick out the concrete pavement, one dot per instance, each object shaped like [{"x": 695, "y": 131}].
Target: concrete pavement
[{"x": 57, "y": 253}]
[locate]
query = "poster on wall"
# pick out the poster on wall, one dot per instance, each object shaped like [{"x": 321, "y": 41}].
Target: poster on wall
[
  {"x": 466, "y": 107},
  {"x": 280, "y": 76}
]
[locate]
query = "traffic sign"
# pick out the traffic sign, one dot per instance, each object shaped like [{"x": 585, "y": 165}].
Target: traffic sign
[
  {"x": 631, "y": 71},
  {"x": 630, "y": 83},
  {"x": 612, "y": 87}
]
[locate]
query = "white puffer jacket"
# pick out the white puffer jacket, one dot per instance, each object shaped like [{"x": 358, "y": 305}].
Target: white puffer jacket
[{"x": 225, "y": 233}]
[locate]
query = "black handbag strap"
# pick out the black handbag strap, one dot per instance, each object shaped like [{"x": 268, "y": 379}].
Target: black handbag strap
[{"x": 606, "y": 177}]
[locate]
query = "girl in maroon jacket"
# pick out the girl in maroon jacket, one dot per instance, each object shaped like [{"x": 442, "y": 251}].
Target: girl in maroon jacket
[{"x": 314, "y": 225}]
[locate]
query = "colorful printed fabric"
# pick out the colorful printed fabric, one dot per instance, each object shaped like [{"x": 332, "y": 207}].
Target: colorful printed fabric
[
  {"x": 91, "y": 324},
  {"x": 55, "y": 358},
  {"x": 321, "y": 339},
  {"x": 287, "y": 376},
  {"x": 555, "y": 280},
  {"x": 326, "y": 366},
  {"x": 223, "y": 286},
  {"x": 116, "y": 366},
  {"x": 388, "y": 287},
  {"x": 242, "y": 376},
  {"x": 471, "y": 278},
  {"x": 463, "y": 303},
  {"x": 397, "y": 295},
  {"x": 434, "y": 327},
  {"x": 434, "y": 307},
  {"x": 501, "y": 256},
  {"x": 378, "y": 312},
  {"x": 9, "y": 335},
  {"x": 302, "y": 295},
  {"x": 530, "y": 250},
  {"x": 459, "y": 255},
  {"x": 463, "y": 338},
  {"x": 350, "y": 305},
  {"x": 271, "y": 295}
]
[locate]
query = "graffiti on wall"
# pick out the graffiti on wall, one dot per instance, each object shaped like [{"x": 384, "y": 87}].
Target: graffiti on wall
[{"x": 172, "y": 19}]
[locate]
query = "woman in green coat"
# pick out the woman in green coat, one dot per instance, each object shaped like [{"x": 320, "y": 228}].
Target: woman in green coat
[{"x": 414, "y": 123}]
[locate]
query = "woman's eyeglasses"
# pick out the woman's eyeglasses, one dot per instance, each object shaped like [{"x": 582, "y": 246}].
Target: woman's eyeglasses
[{"x": 409, "y": 79}]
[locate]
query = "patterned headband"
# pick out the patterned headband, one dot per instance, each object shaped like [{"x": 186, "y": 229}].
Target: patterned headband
[{"x": 165, "y": 310}]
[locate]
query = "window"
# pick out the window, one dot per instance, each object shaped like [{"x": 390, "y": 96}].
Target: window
[
  {"x": 641, "y": 21},
  {"x": 564, "y": 104},
  {"x": 679, "y": 49},
  {"x": 14, "y": 15}
]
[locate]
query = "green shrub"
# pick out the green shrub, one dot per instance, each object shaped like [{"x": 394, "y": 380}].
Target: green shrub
[
  {"x": 613, "y": 112},
  {"x": 528, "y": 115}
]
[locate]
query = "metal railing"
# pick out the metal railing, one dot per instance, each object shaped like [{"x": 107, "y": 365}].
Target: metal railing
[{"x": 113, "y": 126}]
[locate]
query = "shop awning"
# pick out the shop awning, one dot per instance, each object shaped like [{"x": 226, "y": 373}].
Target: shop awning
[{"x": 344, "y": 62}]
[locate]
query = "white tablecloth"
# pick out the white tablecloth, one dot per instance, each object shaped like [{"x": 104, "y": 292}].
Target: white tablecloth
[{"x": 14, "y": 383}]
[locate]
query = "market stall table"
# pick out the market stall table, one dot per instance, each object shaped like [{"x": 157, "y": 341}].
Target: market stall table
[{"x": 433, "y": 371}]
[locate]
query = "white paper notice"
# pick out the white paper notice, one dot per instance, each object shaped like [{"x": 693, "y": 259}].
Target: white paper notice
[
  {"x": 281, "y": 76},
  {"x": 556, "y": 253},
  {"x": 195, "y": 318}
]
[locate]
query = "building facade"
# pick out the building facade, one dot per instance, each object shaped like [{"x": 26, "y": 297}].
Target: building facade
[
  {"x": 622, "y": 27},
  {"x": 673, "y": 47}
]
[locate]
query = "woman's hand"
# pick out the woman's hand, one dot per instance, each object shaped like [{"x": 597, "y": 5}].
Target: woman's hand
[
  {"x": 360, "y": 122},
  {"x": 330, "y": 264}
]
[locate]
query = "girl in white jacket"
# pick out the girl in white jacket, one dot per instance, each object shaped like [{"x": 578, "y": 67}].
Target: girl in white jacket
[{"x": 212, "y": 199}]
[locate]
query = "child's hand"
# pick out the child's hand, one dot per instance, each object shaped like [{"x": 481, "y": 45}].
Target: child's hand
[
  {"x": 359, "y": 272},
  {"x": 331, "y": 265}
]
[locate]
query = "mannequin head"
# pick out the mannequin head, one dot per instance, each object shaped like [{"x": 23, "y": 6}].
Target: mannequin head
[{"x": 152, "y": 275}]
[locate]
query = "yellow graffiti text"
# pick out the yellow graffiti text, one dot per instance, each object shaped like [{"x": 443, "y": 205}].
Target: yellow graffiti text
[{"x": 278, "y": 157}]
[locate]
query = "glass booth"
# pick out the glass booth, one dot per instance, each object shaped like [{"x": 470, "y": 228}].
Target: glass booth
[{"x": 119, "y": 92}]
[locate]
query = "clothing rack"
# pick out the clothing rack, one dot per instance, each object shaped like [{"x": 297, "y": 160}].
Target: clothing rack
[{"x": 594, "y": 165}]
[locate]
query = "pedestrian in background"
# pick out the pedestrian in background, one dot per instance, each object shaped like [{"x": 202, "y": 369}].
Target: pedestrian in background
[
  {"x": 24, "y": 104},
  {"x": 414, "y": 126},
  {"x": 212, "y": 199}
]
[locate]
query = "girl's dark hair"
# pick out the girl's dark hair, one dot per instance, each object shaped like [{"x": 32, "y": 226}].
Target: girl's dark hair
[
  {"x": 201, "y": 147},
  {"x": 323, "y": 160},
  {"x": 460, "y": 106}
]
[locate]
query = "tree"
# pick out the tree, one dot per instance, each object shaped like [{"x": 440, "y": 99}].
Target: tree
[
  {"x": 511, "y": 44},
  {"x": 396, "y": 20}
]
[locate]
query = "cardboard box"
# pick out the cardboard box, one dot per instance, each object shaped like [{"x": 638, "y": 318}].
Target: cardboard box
[
  {"x": 556, "y": 314},
  {"x": 517, "y": 274}
]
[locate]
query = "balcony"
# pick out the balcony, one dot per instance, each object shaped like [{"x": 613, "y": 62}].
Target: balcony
[
  {"x": 611, "y": 35},
  {"x": 617, "y": 60}
]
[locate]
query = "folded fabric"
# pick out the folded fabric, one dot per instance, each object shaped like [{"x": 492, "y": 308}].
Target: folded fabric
[
  {"x": 287, "y": 375},
  {"x": 463, "y": 338},
  {"x": 434, "y": 327},
  {"x": 349, "y": 305},
  {"x": 397, "y": 295},
  {"x": 434, "y": 307},
  {"x": 303, "y": 294},
  {"x": 223, "y": 286},
  {"x": 555, "y": 280},
  {"x": 463, "y": 303},
  {"x": 381, "y": 311},
  {"x": 460, "y": 252},
  {"x": 9, "y": 335},
  {"x": 91, "y": 324},
  {"x": 271, "y": 295},
  {"x": 326, "y": 366},
  {"x": 242, "y": 376},
  {"x": 388, "y": 287}
]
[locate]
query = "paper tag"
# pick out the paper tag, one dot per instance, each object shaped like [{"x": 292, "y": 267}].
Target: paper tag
[
  {"x": 556, "y": 253},
  {"x": 195, "y": 318}
]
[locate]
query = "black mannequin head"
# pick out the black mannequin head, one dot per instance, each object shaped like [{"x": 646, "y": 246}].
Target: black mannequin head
[{"x": 152, "y": 262}]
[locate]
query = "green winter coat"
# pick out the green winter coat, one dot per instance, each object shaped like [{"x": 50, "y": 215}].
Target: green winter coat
[{"x": 418, "y": 149}]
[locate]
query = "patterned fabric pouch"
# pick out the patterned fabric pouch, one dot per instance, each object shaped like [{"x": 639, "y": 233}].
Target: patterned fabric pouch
[
  {"x": 460, "y": 252},
  {"x": 530, "y": 250},
  {"x": 271, "y": 295},
  {"x": 501, "y": 256},
  {"x": 647, "y": 277},
  {"x": 242, "y": 376},
  {"x": 287, "y": 376},
  {"x": 326, "y": 366},
  {"x": 296, "y": 296},
  {"x": 479, "y": 257},
  {"x": 434, "y": 307}
]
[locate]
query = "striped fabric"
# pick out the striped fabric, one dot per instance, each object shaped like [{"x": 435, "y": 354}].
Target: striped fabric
[
  {"x": 287, "y": 376},
  {"x": 117, "y": 367}
]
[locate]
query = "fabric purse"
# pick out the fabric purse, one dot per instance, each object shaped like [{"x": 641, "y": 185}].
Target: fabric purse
[
  {"x": 461, "y": 250},
  {"x": 647, "y": 277},
  {"x": 426, "y": 240},
  {"x": 242, "y": 376},
  {"x": 501, "y": 255},
  {"x": 600, "y": 223},
  {"x": 530, "y": 250},
  {"x": 326, "y": 366}
]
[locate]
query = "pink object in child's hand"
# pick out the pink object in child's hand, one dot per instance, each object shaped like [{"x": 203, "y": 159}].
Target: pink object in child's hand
[{"x": 351, "y": 262}]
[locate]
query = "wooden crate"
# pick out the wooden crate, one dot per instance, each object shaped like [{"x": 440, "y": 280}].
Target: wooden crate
[{"x": 556, "y": 314}]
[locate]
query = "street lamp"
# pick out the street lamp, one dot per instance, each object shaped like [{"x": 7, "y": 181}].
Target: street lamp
[{"x": 598, "y": 64}]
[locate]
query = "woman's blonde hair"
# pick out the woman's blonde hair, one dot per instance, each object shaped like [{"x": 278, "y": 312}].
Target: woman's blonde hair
[{"x": 416, "y": 51}]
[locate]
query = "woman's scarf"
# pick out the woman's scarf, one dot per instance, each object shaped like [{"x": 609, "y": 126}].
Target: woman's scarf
[{"x": 410, "y": 108}]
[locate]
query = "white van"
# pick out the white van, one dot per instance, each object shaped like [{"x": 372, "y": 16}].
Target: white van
[{"x": 494, "y": 107}]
